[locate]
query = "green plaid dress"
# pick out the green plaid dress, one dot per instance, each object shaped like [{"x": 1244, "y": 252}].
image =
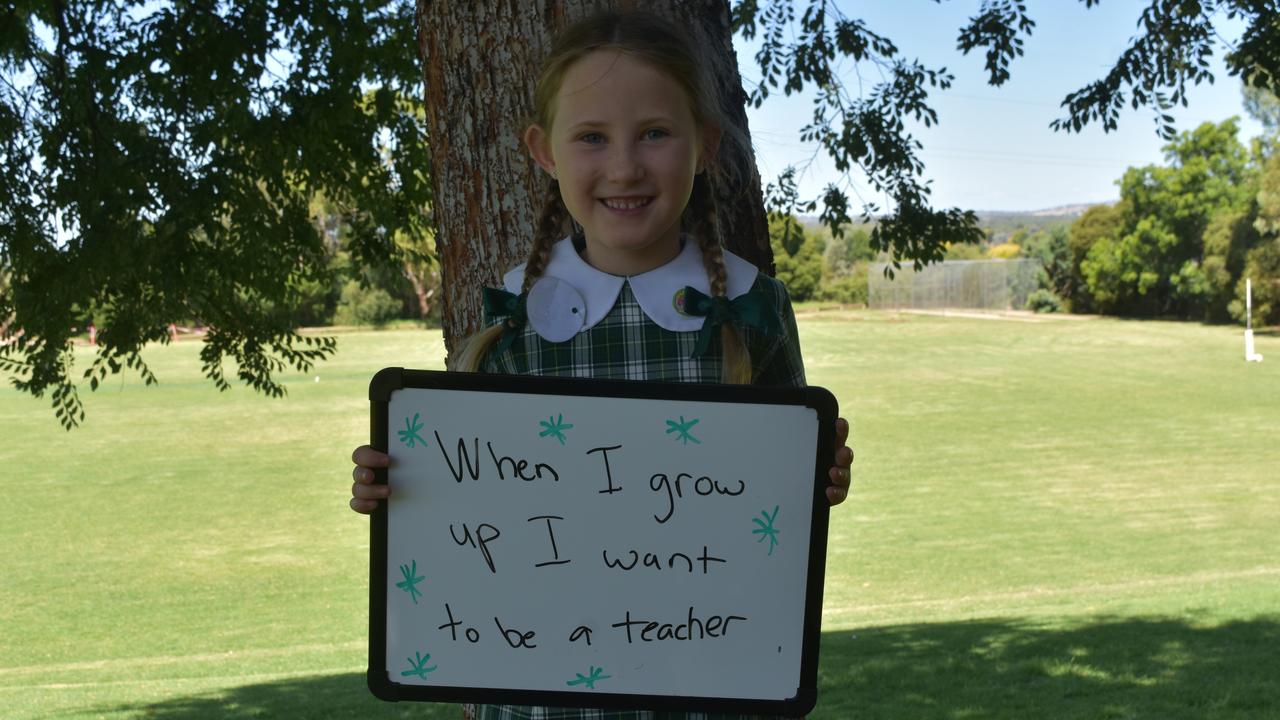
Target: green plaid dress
[{"x": 627, "y": 345}]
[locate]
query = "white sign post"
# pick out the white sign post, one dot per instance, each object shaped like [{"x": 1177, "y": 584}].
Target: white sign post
[{"x": 1249, "y": 354}]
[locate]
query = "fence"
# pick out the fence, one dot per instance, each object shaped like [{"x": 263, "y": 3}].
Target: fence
[{"x": 979, "y": 284}]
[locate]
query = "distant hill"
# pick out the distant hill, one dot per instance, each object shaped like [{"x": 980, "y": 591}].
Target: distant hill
[{"x": 1001, "y": 224}]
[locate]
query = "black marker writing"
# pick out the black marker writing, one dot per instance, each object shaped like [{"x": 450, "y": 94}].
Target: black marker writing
[
  {"x": 463, "y": 458},
  {"x": 472, "y": 634},
  {"x": 521, "y": 639},
  {"x": 654, "y": 561},
  {"x": 694, "y": 628},
  {"x": 703, "y": 486},
  {"x": 518, "y": 467},
  {"x": 552, "y": 535},
  {"x": 482, "y": 537},
  {"x": 580, "y": 632},
  {"x": 604, "y": 452}
]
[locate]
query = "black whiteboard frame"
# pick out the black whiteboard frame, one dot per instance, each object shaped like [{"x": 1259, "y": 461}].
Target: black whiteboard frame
[{"x": 381, "y": 681}]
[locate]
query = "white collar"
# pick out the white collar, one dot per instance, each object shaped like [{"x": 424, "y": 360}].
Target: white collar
[{"x": 573, "y": 296}]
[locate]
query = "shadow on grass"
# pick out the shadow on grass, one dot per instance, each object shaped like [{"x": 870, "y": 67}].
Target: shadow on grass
[{"x": 1110, "y": 668}]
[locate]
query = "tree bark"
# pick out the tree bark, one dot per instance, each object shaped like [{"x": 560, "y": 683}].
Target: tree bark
[{"x": 480, "y": 61}]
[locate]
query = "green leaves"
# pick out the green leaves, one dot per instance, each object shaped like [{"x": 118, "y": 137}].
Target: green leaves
[
  {"x": 866, "y": 132},
  {"x": 158, "y": 164}
]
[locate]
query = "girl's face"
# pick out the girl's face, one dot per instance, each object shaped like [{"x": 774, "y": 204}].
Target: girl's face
[{"x": 625, "y": 147}]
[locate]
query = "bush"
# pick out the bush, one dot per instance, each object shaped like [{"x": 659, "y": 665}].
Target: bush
[
  {"x": 850, "y": 289},
  {"x": 1004, "y": 251},
  {"x": 365, "y": 306},
  {"x": 1044, "y": 301}
]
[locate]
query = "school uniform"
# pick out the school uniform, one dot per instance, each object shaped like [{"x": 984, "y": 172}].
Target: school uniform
[
  {"x": 577, "y": 321},
  {"x": 583, "y": 322}
]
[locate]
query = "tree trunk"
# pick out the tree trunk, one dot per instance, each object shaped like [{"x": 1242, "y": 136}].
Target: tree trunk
[{"x": 480, "y": 62}]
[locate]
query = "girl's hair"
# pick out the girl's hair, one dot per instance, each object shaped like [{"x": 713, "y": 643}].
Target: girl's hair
[{"x": 662, "y": 45}]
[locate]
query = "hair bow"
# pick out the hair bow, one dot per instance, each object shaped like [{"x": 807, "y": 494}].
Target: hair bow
[
  {"x": 499, "y": 302},
  {"x": 753, "y": 309}
]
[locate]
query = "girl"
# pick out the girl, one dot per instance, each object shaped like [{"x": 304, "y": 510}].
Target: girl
[{"x": 628, "y": 129}]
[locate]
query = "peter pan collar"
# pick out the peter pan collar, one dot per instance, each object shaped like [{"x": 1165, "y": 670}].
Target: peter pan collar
[{"x": 572, "y": 296}]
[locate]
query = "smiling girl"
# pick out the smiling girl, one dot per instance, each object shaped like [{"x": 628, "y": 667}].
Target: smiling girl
[{"x": 641, "y": 288}]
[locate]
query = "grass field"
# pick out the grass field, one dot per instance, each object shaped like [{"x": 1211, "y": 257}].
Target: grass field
[{"x": 1065, "y": 518}]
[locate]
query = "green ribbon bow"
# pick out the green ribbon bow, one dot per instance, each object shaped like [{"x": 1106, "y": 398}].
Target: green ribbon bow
[
  {"x": 753, "y": 309},
  {"x": 499, "y": 302}
]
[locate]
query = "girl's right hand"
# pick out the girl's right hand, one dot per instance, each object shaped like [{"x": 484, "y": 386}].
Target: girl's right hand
[{"x": 364, "y": 494}]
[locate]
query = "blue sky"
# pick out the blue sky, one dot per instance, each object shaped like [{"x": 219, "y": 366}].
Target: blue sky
[{"x": 992, "y": 148}]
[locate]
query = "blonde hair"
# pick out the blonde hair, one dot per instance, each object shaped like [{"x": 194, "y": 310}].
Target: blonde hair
[{"x": 663, "y": 46}]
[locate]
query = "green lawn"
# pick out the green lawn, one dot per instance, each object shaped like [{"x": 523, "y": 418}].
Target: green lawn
[{"x": 1059, "y": 518}]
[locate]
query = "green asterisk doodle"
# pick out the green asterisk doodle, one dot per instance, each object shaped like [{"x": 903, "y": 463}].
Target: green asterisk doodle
[
  {"x": 767, "y": 530},
  {"x": 590, "y": 678},
  {"x": 418, "y": 667},
  {"x": 554, "y": 427},
  {"x": 409, "y": 436},
  {"x": 683, "y": 427},
  {"x": 410, "y": 582}
]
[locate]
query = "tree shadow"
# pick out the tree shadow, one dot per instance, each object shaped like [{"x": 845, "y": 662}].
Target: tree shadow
[
  {"x": 327, "y": 696},
  {"x": 1001, "y": 668},
  {"x": 1108, "y": 668}
]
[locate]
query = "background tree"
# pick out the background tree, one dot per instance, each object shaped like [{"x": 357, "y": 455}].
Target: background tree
[
  {"x": 1153, "y": 263},
  {"x": 158, "y": 158},
  {"x": 1262, "y": 260}
]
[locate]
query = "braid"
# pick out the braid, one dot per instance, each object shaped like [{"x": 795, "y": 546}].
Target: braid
[
  {"x": 550, "y": 225},
  {"x": 735, "y": 358}
]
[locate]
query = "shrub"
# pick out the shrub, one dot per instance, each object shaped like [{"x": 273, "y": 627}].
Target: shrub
[
  {"x": 850, "y": 289},
  {"x": 365, "y": 306},
  {"x": 1044, "y": 301},
  {"x": 1004, "y": 251}
]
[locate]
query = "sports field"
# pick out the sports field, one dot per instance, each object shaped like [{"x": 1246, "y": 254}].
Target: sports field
[{"x": 1052, "y": 517}]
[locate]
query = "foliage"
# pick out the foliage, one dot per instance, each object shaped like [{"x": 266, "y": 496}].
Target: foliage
[
  {"x": 1152, "y": 261},
  {"x": 1044, "y": 301},
  {"x": 1262, "y": 261},
  {"x": 964, "y": 251},
  {"x": 365, "y": 305},
  {"x": 868, "y": 132},
  {"x": 158, "y": 164},
  {"x": 1097, "y": 223},
  {"x": 1052, "y": 250},
  {"x": 1004, "y": 251},
  {"x": 797, "y": 256},
  {"x": 849, "y": 288}
]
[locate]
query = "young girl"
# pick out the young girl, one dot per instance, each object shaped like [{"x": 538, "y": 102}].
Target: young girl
[{"x": 627, "y": 127}]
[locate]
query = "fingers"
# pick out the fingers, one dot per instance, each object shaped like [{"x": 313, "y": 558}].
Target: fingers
[
  {"x": 837, "y": 495},
  {"x": 840, "y": 473},
  {"x": 365, "y": 495},
  {"x": 844, "y": 457},
  {"x": 366, "y": 456}
]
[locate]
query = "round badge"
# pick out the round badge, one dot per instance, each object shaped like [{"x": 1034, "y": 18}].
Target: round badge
[
  {"x": 556, "y": 309},
  {"x": 677, "y": 301}
]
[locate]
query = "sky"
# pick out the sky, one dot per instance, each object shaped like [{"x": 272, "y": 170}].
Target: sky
[{"x": 992, "y": 148}]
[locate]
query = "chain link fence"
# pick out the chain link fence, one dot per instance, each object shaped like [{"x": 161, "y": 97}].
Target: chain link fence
[{"x": 977, "y": 284}]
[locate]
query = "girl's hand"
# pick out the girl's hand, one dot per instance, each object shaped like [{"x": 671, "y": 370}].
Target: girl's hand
[
  {"x": 364, "y": 494},
  {"x": 840, "y": 473}
]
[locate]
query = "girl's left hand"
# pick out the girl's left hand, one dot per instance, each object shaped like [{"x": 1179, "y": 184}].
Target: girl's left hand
[{"x": 840, "y": 473}]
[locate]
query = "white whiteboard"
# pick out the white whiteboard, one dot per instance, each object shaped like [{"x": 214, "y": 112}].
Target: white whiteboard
[{"x": 549, "y": 542}]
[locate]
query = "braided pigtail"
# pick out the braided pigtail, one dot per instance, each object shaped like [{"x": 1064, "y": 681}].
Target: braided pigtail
[
  {"x": 550, "y": 225},
  {"x": 735, "y": 358}
]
